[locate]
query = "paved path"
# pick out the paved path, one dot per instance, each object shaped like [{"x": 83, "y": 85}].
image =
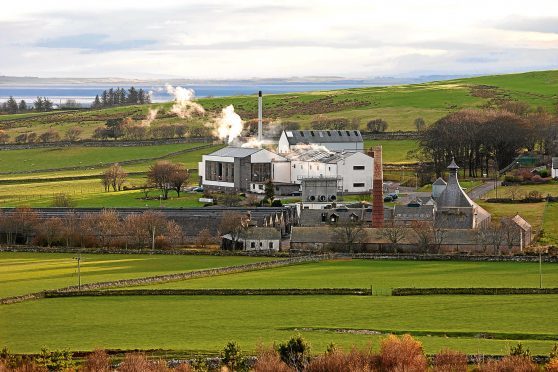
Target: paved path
[{"x": 479, "y": 191}]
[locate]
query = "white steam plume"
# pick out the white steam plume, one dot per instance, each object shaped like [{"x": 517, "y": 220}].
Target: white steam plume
[
  {"x": 184, "y": 105},
  {"x": 151, "y": 115},
  {"x": 229, "y": 124}
]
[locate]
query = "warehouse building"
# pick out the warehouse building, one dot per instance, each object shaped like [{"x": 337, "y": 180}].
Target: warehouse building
[{"x": 333, "y": 140}]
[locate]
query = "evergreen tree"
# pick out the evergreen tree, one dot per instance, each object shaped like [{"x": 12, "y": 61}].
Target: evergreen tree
[
  {"x": 97, "y": 102},
  {"x": 39, "y": 106},
  {"x": 132, "y": 96},
  {"x": 11, "y": 105},
  {"x": 111, "y": 98},
  {"x": 47, "y": 104},
  {"x": 105, "y": 99},
  {"x": 22, "y": 106},
  {"x": 141, "y": 96}
]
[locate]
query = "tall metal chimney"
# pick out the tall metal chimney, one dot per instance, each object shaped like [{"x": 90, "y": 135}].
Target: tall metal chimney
[
  {"x": 260, "y": 125},
  {"x": 377, "y": 188}
]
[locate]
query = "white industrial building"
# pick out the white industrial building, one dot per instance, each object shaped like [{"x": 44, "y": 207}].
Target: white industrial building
[
  {"x": 352, "y": 169},
  {"x": 237, "y": 169},
  {"x": 333, "y": 140}
]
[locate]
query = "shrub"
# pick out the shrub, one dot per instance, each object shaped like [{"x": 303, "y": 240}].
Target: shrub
[
  {"x": 402, "y": 354},
  {"x": 268, "y": 360},
  {"x": 512, "y": 363},
  {"x": 135, "y": 362},
  {"x": 449, "y": 361},
  {"x": 63, "y": 201},
  {"x": 295, "y": 352},
  {"x": 519, "y": 350},
  {"x": 552, "y": 365},
  {"x": 277, "y": 203},
  {"x": 337, "y": 361},
  {"x": 97, "y": 361},
  {"x": 232, "y": 356},
  {"x": 57, "y": 360}
]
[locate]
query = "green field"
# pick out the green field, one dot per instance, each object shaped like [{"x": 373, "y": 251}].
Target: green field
[
  {"x": 394, "y": 151},
  {"x": 78, "y": 156},
  {"x": 204, "y": 323},
  {"x": 192, "y": 324},
  {"x": 383, "y": 275},
  {"x": 22, "y": 273}
]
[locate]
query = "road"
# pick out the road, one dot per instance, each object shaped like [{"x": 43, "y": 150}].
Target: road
[{"x": 479, "y": 191}]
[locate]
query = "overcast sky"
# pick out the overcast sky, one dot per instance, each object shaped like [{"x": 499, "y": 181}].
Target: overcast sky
[{"x": 283, "y": 38}]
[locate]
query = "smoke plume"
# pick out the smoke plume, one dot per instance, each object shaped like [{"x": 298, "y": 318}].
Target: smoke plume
[
  {"x": 229, "y": 124},
  {"x": 184, "y": 105},
  {"x": 151, "y": 115}
]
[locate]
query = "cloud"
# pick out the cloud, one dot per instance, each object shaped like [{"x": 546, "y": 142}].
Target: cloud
[
  {"x": 532, "y": 24},
  {"x": 92, "y": 43}
]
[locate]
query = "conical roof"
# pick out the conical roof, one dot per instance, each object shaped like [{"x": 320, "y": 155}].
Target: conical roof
[
  {"x": 453, "y": 165},
  {"x": 453, "y": 195}
]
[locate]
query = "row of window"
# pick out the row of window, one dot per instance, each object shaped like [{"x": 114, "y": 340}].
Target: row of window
[
  {"x": 321, "y": 134},
  {"x": 253, "y": 245}
]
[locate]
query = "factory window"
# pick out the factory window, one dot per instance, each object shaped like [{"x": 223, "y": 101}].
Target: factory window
[
  {"x": 260, "y": 187},
  {"x": 329, "y": 133},
  {"x": 270, "y": 245},
  {"x": 339, "y": 133},
  {"x": 252, "y": 245},
  {"x": 358, "y": 184},
  {"x": 358, "y": 167},
  {"x": 348, "y": 133},
  {"x": 261, "y": 244},
  {"x": 294, "y": 166},
  {"x": 356, "y": 133},
  {"x": 301, "y": 133},
  {"x": 312, "y": 133},
  {"x": 324, "y": 217}
]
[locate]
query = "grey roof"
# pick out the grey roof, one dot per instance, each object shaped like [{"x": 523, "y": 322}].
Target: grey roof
[
  {"x": 555, "y": 163},
  {"x": 261, "y": 233},
  {"x": 440, "y": 181},
  {"x": 453, "y": 195},
  {"x": 421, "y": 213},
  {"x": 453, "y": 165},
  {"x": 319, "y": 155},
  {"x": 322, "y": 136},
  {"x": 235, "y": 152},
  {"x": 521, "y": 222}
]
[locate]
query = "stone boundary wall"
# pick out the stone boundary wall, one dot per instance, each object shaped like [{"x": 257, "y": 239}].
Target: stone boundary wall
[
  {"x": 91, "y": 143},
  {"x": 472, "y": 291},
  {"x": 216, "y": 292},
  {"x": 451, "y": 257},
  {"x": 390, "y": 135},
  {"x": 173, "y": 277},
  {"x": 104, "y": 165},
  {"x": 190, "y": 252}
]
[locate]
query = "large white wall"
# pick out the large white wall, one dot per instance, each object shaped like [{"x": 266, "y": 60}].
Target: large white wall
[
  {"x": 349, "y": 169},
  {"x": 307, "y": 169}
]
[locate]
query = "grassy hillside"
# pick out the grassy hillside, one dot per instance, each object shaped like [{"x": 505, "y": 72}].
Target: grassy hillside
[{"x": 399, "y": 105}]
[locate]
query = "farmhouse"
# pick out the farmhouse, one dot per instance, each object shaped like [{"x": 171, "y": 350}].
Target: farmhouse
[
  {"x": 333, "y": 140},
  {"x": 254, "y": 239}
]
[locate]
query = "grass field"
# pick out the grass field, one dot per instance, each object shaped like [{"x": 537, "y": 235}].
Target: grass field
[
  {"x": 394, "y": 151},
  {"x": 75, "y": 156},
  {"x": 22, "y": 273},
  {"x": 550, "y": 224},
  {"x": 383, "y": 275},
  {"x": 205, "y": 324}
]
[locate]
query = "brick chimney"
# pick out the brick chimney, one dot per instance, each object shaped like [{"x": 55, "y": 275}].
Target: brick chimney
[{"x": 377, "y": 187}]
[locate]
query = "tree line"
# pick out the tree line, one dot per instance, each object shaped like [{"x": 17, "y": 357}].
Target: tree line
[
  {"x": 120, "y": 96},
  {"x": 11, "y": 106},
  {"x": 481, "y": 140},
  {"x": 106, "y": 229}
]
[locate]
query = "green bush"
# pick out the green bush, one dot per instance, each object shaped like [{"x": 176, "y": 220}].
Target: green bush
[{"x": 295, "y": 352}]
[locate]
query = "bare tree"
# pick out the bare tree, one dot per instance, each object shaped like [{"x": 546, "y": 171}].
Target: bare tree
[
  {"x": 204, "y": 238},
  {"x": 234, "y": 224},
  {"x": 496, "y": 237},
  {"x": 349, "y": 233},
  {"x": 114, "y": 176},
  {"x": 179, "y": 176},
  {"x": 425, "y": 235},
  {"x": 393, "y": 234},
  {"x": 73, "y": 134},
  {"x": 515, "y": 192},
  {"x": 511, "y": 233},
  {"x": 161, "y": 175}
]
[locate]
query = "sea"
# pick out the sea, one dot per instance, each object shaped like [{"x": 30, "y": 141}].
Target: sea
[{"x": 85, "y": 94}]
